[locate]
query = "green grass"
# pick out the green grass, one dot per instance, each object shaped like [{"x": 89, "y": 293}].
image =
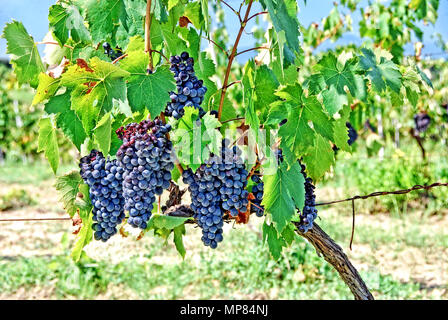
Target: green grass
[
  {"x": 400, "y": 169},
  {"x": 240, "y": 268},
  {"x": 32, "y": 173},
  {"x": 244, "y": 270}
]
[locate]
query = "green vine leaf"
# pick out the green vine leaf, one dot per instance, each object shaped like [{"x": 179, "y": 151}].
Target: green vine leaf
[
  {"x": 102, "y": 133},
  {"x": 266, "y": 84},
  {"x": 275, "y": 242},
  {"x": 47, "y": 88},
  {"x": 68, "y": 188},
  {"x": 24, "y": 54},
  {"x": 338, "y": 75},
  {"x": 66, "y": 119},
  {"x": 185, "y": 130},
  {"x": 319, "y": 159},
  {"x": 179, "y": 232},
  {"x": 84, "y": 237},
  {"x": 284, "y": 18},
  {"x": 167, "y": 222},
  {"x": 94, "y": 88},
  {"x": 282, "y": 194},
  {"x": 72, "y": 127},
  {"x": 296, "y": 135},
  {"x": 341, "y": 130},
  {"x": 48, "y": 143},
  {"x": 147, "y": 91},
  {"x": 104, "y": 17},
  {"x": 66, "y": 21},
  {"x": 383, "y": 73}
]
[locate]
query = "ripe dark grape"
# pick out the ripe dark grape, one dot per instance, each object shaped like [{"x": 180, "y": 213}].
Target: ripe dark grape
[
  {"x": 190, "y": 90},
  {"x": 257, "y": 191},
  {"x": 309, "y": 213},
  {"x": 422, "y": 122},
  {"x": 104, "y": 179},
  {"x": 214, "y": 113},
  {"x": 352, "y": 134},
  {"x": 217, "y": 187},
  {"x": 146, "y": 159},
  {"x": 111, "y": 53}
]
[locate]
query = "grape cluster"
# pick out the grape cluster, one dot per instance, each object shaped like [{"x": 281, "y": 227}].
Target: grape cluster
[
  {"x": 422, "y": 122},
  {"x": 218, "y": 186},
  {"x": 111, "y": 53},
  {"x": 233, "y": 177},
  {"x": 206, "y": 204},
  {"x": 104, "y": 179},
  {"x": 352, "y": 134},
  {"x": 145, "y": 156},
  {"x": 257, "y": 191},
  {"x": 190, "y": 90},
  {"x": 309, "y": 213}
]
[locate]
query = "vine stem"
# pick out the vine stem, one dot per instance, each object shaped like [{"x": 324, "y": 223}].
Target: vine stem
[
  {"x": 234, "y": 119},
  {"x": 251, "y": 49},
  {"x": 231, "y": 58},
  {"x": 55, "y": 43},
  {"x": 148, "y": 48},
  {"x": 232, "y": 83},
  {"x": 119, "y": 58},
  {"x": 237, "y": 13},
  {"x": 217, "y": 45},
  {"x": 257, "y": 14}
]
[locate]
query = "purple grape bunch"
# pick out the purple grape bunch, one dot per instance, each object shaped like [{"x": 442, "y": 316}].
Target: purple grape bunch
[
  {"x": 352, "y": 134},
  {"x": 217, "y": 187},
  {"x": 422, "y": 121},
  {"x": 206, "y": 204},
  {"x": 190, "y": 90},
  {"x": 111, "y": 53},
  {"x": 146, "y": 157},
  {"x": 104, "y": 178},
  {"x": 257, "y": 191},
  {"x": 309, "y": 212}
]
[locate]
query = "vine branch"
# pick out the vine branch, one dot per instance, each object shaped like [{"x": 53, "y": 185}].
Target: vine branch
[
  {"x": 334, "y": 255},
  {"x": 237, "y": 13},
  {"x": 232, "y": 83},
  {"x": 257, "y": 14},
  {"x": 231, "y": 58},
  {"x": 217, "y": 45},
  {"x": 55, "y": 43},
  {"x": 251, "y": 49},
  {"x": 119, "y": 58},
  {"x": 148, "y": 48}
]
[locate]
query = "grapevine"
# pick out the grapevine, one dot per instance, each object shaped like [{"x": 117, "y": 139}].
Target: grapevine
[{"x": 164, "y": 125}]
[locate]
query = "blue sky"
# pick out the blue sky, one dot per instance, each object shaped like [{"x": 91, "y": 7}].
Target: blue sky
[{"x": 34, "y": 13}]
